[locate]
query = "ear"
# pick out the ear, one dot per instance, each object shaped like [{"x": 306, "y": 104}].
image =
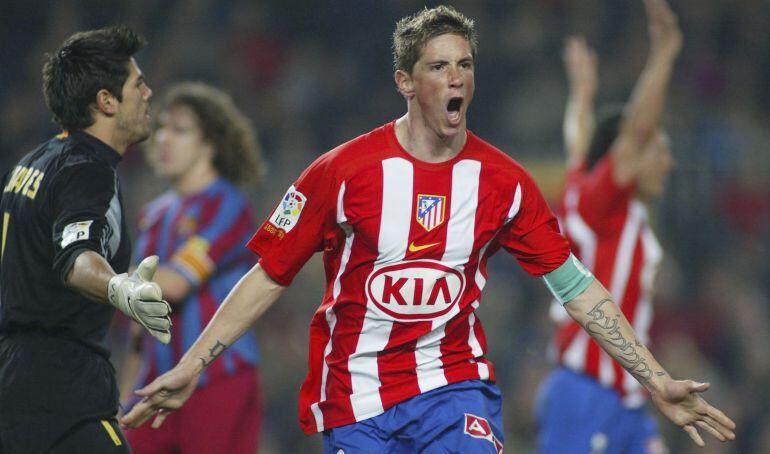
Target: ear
[
  {"x": 106, "y": 103},
  {"x": 404, "y": 83}
]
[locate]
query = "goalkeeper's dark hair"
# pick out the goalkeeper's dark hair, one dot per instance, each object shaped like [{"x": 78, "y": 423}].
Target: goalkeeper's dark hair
[
  {"x": 607, "y": 129},
  {"x": 87, "y": 62},
  {"x": 237, "y": 155}
]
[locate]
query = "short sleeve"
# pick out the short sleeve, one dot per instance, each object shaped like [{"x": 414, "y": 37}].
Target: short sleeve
[
  {"x": 217, "y": 243},
  {"x": 601, "y": 199},
  {"x": 83, "y": 196},
  {"x": 295, "y": 230},
  {"x": 533, "y": 236}
]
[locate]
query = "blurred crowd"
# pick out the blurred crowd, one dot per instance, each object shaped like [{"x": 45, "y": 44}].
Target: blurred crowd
[{"x": 313, "y": 74}]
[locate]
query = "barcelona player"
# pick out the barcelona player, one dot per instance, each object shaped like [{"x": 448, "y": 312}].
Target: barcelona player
[{"x": 203, "y": 146}]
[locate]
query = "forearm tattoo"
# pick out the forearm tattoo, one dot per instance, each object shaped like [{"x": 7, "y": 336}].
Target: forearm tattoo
[
  {"x": 627, "y": 355},
  {"x": 214, "y": 353}
]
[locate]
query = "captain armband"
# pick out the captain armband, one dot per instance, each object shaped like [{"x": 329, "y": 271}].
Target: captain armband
[{"x": 569, "y": 280}]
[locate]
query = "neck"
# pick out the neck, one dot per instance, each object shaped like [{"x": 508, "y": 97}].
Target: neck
[
  {"x": 107, "y": 134},
  {"x": 196, "y": 179},
  {"x": 424, "y": 143}
]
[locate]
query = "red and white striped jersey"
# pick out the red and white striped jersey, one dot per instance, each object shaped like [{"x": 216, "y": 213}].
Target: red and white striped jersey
[
  {"x": 405, "y": 245},
  {"x": 610, "y": 234}
]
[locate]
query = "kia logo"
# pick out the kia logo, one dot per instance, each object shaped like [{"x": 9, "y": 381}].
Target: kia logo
[{"x": 415, "y": 290}]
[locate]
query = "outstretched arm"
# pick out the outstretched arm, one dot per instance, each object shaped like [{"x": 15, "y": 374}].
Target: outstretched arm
[
  {"x": 678, "y": 400},
  {"x": 643, "y": 115},
  {"x": 580, "y": 63},
  {"x": 245, "y": 303}
]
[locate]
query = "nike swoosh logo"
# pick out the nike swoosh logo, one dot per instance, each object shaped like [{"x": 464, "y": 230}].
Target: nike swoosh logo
[{"x": 414, "y": 248}]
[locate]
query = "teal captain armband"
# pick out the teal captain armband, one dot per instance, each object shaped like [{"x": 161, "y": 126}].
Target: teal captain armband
[{"x": 569, "y": 280}]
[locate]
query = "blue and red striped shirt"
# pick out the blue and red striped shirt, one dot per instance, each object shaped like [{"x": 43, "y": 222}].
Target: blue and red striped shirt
[{"x": 201, "y": 236}]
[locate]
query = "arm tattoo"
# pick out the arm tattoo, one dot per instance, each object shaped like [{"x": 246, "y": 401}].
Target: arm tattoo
[
  {"x": 214, "y": 353},
  {"x": 627, "y": 355}
]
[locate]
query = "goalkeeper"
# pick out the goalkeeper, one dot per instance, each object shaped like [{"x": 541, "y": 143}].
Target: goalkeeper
[{"x": 64, "y": 238}]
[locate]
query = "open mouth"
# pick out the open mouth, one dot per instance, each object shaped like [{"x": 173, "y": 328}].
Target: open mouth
[{"x": 453, "y": 110}]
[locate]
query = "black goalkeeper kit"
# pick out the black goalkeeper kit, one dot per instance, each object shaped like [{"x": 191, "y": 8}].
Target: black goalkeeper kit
[{"x": 60, "y": 200}]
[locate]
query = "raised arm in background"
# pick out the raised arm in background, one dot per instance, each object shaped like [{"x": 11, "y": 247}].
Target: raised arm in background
[
  {"x": 641, "y": 120},
  {"x": 580, "y": 63}
]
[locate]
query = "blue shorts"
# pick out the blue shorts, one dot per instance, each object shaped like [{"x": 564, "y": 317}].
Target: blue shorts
[
  {"x": 575, "y": 414},
  {"x": 460, "y": 417}
]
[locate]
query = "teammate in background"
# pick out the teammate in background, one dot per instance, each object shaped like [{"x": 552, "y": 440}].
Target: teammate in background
[
  {"x": 63, "y": 239},
  {"x": 203, "y": 146},
  {"x": 407, "y": 216},
  {"x": 589, "y": 403}
]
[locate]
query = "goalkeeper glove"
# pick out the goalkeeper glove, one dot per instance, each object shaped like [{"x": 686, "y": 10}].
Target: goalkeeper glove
[{"x": 141, "y": 299}]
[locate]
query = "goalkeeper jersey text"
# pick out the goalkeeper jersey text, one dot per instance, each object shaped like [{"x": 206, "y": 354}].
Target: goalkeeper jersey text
[
  {"x": 61, "y": 199},
  {"x": 405, "y": 245}
]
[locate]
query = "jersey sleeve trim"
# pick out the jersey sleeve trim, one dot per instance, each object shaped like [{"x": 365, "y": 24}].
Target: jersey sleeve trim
[
  {"x": 282, "y": 281},
  {"x": 258, "y": 248},
  {"x": 65, "y": 261}
]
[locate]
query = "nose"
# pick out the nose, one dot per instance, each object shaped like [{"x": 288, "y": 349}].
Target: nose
[
  {"x": 148, "y": 92},
  {"x": 455, "y": 78}
]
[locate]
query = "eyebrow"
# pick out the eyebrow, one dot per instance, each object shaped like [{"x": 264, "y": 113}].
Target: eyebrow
[{"x": 468, "y": 58}]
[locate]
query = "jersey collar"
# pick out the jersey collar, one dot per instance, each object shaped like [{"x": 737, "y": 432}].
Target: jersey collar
[{"x": 104, "y": 150}]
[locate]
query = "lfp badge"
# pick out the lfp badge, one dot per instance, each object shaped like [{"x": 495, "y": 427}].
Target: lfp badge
[
  {"x": 292, "y": 203},
  {"x": 430, "y": 210},
  {"x": 287, "y": 212}
]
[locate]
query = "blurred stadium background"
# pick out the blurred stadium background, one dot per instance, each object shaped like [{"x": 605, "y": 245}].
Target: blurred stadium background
[{"x": 313, "y": 74}]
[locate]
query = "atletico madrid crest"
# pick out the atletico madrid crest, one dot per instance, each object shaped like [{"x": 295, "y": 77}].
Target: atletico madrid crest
[{"x": 430, "y": 210}]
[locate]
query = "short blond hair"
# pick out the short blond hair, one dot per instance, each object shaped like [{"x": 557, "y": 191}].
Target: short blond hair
[{"x": 413, "y": 32}]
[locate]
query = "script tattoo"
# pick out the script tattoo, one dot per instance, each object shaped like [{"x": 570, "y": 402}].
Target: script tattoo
[
  {"x": 609, "y": 329},
  {"x": 214, "y": 353}
]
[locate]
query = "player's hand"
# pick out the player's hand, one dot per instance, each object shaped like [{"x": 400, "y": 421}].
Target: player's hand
[
  {"x": 581, "y": 65},
  {"x": 665, "y": 35},
  {"x": 680, "y": 401},
  {"x": 165, "y": 394},
  {"x": 141, "y": 299}
]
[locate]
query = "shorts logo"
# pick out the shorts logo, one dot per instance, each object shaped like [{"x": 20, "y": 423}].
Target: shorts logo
[
  {"x": 430, "y": 210},
  {"x": 415, "y": 289},
  {"x": 286, "y": 215},
  {"x": 478, "y": 427},
  {"x": 77, "y": 231}
]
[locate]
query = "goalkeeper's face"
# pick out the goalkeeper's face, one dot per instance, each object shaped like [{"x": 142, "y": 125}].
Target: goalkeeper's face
[{"x": 179, "y": 146}]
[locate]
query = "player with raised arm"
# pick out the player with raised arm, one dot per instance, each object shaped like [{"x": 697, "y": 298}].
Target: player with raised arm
[
  {"x": 64, "y": 238},
  {"x": 589, "y": 403},
  {"x": 203, "y": 146},
  {"x": 407, "y": 216}
]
